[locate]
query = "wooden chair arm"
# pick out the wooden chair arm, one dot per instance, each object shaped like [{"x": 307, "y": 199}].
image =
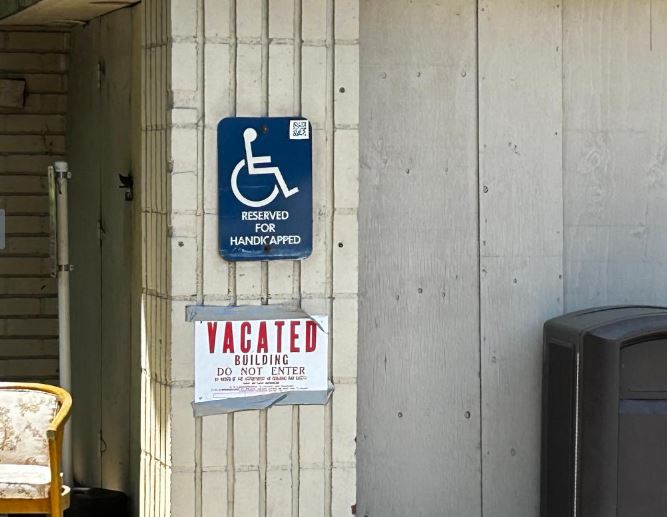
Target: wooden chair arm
[
  {"x": 55, "y": 448},
  {"x": 61, "y": 417},
  {"x": 54, "y": 434}
]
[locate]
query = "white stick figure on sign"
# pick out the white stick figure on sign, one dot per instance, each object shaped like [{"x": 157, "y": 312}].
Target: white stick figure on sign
[{"x": 251, "y": 162}]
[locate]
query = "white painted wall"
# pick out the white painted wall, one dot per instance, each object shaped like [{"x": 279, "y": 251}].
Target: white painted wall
[{"x": 30, "y": 138}]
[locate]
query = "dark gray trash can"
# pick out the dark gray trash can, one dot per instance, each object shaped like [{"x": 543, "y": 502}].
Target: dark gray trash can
[
  {"x": 97, "y": 502},
  {"x": 604, "y": 425}
]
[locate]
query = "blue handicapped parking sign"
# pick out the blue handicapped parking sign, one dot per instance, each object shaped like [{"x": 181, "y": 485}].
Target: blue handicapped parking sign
[{"x": 265, "y": 188}]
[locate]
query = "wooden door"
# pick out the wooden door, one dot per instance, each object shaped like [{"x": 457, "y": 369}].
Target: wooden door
[{"x": 99, "y": 150}]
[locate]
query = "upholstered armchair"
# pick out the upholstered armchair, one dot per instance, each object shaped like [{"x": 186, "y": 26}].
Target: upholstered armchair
[{"x": 32, "y": 421}]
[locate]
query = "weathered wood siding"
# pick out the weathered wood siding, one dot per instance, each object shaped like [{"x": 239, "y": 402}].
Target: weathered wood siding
[
  {"x": 31, "y": 137},
  {"x": 563, "y": 104},
  {"x": 99, "y": 134}
]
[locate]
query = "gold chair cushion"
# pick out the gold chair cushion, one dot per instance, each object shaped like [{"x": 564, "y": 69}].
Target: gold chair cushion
[
  {"x": 24, "y": 481},
  {"x": 24, "y": 418}
]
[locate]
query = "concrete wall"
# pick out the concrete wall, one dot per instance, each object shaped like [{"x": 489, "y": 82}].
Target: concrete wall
[
  {"x": 614, "y": 152},
  {"x": 224, "y": 58},
  {"x": 31, "y": 138},
  {"x": 419, "y": 419},
  {"x": 513, "y": 163}
]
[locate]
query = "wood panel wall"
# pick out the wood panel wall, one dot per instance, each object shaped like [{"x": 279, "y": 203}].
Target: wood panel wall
[
  {"x": 31, "y": 138},
  {"x": 563, "y": 106},
  {"x": 100, "y": 142},
  {"x": 85, "y": 287}
]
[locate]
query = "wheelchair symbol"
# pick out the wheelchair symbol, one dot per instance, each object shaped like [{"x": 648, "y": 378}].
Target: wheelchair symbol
[{"x": 250, "y": 162}]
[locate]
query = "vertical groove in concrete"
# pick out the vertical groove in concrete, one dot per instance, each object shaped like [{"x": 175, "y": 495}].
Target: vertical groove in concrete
[
  {"x": 233, "y": 46},
  {"x": 330, "y": 128},
  {"x": 296, "y": 269},
  {"x": 479, "y": 260},
  {"x": 263, "y": 414},
  {"x": 263, "y": 437},
  {"x": 264, "y": 41},
  {"x": 231, "y": 475},
  {"x": 201, "y": 128}
]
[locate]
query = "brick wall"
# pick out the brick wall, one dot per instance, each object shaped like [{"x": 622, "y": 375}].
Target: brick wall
[
  {"x": 152, "y": 190},
  {"x": 258, "y": 58},
  {"x": 214, "y": 59},
  {"x": 30, "y": 138}
]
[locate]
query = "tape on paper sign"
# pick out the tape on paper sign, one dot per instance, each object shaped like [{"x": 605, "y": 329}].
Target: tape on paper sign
[{"x": 244, "y": 361}]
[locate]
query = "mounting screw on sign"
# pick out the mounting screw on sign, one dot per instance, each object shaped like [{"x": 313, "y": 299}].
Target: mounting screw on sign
[{"x": 264, "y": 188}]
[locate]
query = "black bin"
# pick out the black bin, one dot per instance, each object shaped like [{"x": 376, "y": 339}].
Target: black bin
[
  {"x": 97, "y": 502},
  {"x": 93, "y": 502},
  {"x": 604, "y": 422}
]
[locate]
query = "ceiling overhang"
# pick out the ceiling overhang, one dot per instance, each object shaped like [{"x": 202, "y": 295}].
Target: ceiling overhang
[{"x": 56, "y": 12}]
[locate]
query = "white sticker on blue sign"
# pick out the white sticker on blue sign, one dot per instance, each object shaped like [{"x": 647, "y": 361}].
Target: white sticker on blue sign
[
  {"x": 264, "y": 188},
  {"x": 299, "y": 130}
]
